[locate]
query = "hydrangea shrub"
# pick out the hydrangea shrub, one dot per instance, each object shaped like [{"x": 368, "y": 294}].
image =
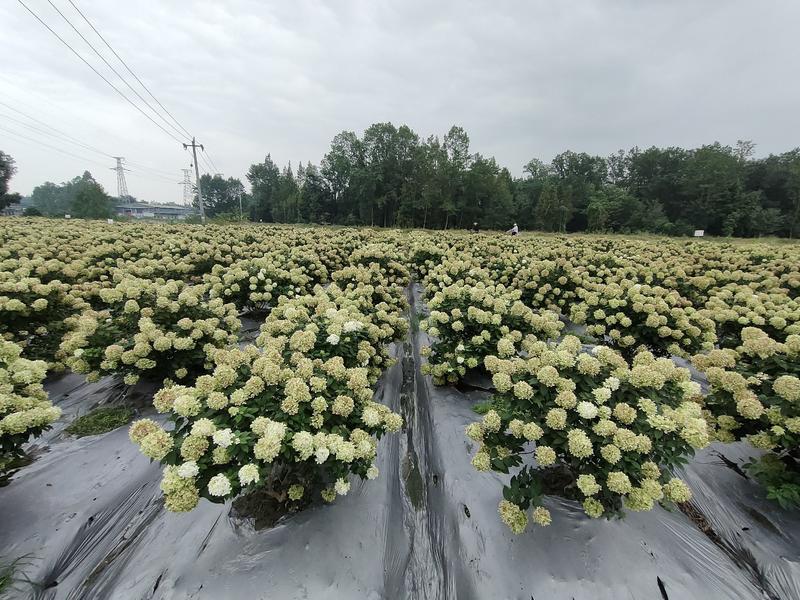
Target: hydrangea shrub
[
  {"x": 25, "y": 410},
  {"x": 610, "y": 430},
  {"x": 468, "y": 323},
  {"x": 256, "y": 284},
  {"x": 755, "y": 396},
  {"x": 36, "y": 315},
  {"x": 636, "y": 316},
  {"x": 293, "y": 416},
  {"x": 157, "y": 329},
  {"x": 735, "y": 307}
]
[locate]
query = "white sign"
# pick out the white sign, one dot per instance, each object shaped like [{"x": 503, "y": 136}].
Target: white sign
[
  {"x": 67, "y": 216},
  {"x": 110, "y": 221},
  {"x": 699, "y": 232}
]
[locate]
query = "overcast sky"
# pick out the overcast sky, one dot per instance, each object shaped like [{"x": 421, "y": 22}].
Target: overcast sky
[{"x": 524, "y": 78}]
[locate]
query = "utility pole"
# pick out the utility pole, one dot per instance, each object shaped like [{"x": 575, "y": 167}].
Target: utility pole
[
  {"x": 122, "y": 187},
  {"x": 241, "y": 214},
  {"x": 194, "y": 146},
  {"x": 187, "y": 186}
]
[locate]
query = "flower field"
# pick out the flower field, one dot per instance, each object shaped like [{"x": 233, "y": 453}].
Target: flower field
[{"x": 562, "y": 382}]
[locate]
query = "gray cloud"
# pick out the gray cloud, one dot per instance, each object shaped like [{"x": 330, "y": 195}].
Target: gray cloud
[{"x": 524, "y": 78}]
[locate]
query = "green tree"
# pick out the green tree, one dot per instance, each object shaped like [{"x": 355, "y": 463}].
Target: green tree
[
  {"x": 657, "y": 174},
  {"x": 458, "y": 161},
  {"x": 60, "y": 199},
  {"x": 712, "y": 180},
  {"x": 316, "y": 199},
  {"x": 577, "y": 176},
  {"x": 221, "y": 196},
  {"x": 264, "y": 179},
  {"x": 91, "y": 200},
  {"x": 548, "y": 210},
  {"x": 7, "y": 171},
  {"x": 390, "y": 177},
  {"x": 52, "y": 199},
  {"x": 341, "y": 168},
  {"x": 287, "y": 198}
]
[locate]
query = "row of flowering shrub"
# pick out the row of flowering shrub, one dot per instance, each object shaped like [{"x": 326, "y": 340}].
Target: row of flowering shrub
[
  {"x": 608, "y": 427},
  {"x": 670, "y": 297},
  {"x": 755, "y": 396},
  {"x": 608, "y": 431},
  {"x": 292, "y": 416},
  {"x": 36, "y": 315},
  {"x": 25, "y": 410},
  {"x": 161, "y": 301},
  {"x": 157, "y": 328},
  {"x": 469, "y": 323}
]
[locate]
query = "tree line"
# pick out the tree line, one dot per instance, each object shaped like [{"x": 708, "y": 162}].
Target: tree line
[
  {"x": 390, "y": 177},
  {"x": 7, "y": 170},
  {"x": 81, "y": 197}
]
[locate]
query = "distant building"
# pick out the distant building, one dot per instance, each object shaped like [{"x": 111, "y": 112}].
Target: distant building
[
  {"x": 12, "y": 210},
  {"x": 16, "y": 209},
  {"x": 145, "y": 210}
]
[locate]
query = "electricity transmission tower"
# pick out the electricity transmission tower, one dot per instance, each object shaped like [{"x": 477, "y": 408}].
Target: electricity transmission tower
[
  {"x": 187, "y": 186},
  {"x": 122, "y": 187}
]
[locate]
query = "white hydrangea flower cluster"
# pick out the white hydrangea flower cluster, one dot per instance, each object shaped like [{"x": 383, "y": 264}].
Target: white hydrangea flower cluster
[
  {"x": 25, "y": 410},
  {"x": 615, "y": 427},
  {"x": 737, "y": 306},
  {"x": 35, "y": 315},
  {"x": 294, "y": 413},
  {"x": 635, "y": 315},
  {"x": 256, "y": 285},
  {"x": 157, "y": 329},
  {"x": 755, "y": 396},
  {"x": 469, "y": 322}
]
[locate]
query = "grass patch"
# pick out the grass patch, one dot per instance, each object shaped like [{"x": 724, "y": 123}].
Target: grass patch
[
  {"x": 11, "y": 576},
  {"x": 6, "y": 577},
  {"x": 414, "y": 319},
  {"x": 101, "y": 420}
]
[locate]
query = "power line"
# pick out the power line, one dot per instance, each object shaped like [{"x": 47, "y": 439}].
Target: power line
[
  {"x": 139, "y": 165},
  {"x": 42, "y": 131},
  {"x": 108, "y": 64},
  {"x": 30, "y": 139},
  {"x": 128, "y": 68},
  {"x": 207, "y": 168},
  {"x": 98, "y": 73},
  {"x": 58, "y": 131},
  {"x": 73, "y": 155},
  {"x": 65, "y": 137},
  {"x": 216, "y": 170}
]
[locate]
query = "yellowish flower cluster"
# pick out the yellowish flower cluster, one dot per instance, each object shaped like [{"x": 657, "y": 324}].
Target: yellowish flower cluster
[
  {"x": 614, "y": 427},
  {"x": 256, "y": 284},
  {"x": 469, "y": 322},
  {"x": 755, "y": 395},
  {"x": 156, "y": 328},
  {"x": 294, "y": 413},
  {"x": 25, "y": 410},
  {"x": 35, "y": 314},
  {"x": 735, "y": 307},
  {"x": 633, "y": 316}
]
